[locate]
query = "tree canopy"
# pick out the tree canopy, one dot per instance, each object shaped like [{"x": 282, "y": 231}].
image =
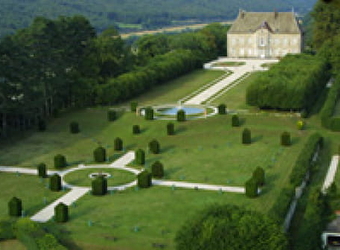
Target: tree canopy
[{"x": 228, "y": 227}]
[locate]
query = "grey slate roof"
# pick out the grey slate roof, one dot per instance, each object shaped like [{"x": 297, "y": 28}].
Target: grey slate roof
[{"x": 276, "y": 22}]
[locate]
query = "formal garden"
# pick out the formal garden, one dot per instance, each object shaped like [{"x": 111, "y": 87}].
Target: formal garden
[{"x": 224, "y": 149}]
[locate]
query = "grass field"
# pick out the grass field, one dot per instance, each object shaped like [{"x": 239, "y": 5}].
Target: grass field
[{"x": 204, "y": 150}]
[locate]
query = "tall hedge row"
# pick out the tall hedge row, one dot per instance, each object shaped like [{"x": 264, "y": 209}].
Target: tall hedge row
[
  {"x": 160, "y": 69},
  {"x": 293, "y": 84},
  {"x": 328, "y": 120},
  {"x": 304, "y": 161}
]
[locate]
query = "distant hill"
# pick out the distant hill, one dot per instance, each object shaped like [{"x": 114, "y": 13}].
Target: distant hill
[{"x": 138, "y": 14}]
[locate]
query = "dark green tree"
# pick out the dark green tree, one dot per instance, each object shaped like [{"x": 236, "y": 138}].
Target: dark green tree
[
  {"x": 235, "y": 121},
  {"x": 59, "y": 161},
  {"x": 42, "y": 172},
  {"x": 99, "y": 154},
  {"x": 157, "y": 169},
  {"x": 135, "y": 129},
  {"x": 149, "y": 113},
  {"x": 144, "y": 179},
  {"x": 61, "y": 213},
  {"x": 285, "y": 139},
  {"x": 222, "y": 109},
  {"x": 181, "y": 115},
  {"x": 251, "y": 187},
  {"x": 15, "y": 207},
  {"x": 154, "y": 146},
  {"x": 55, "y": 183},
  {"x": 246, "y": 136},
  {"x": 140, "y": 157},
  {"x": 259, "y": 176},
  {"x": 118, "y": 144},
  {"x": 230, "y": 227},
  {"x": 99, "y": 186},
  {"x": 170, "y": 128}
]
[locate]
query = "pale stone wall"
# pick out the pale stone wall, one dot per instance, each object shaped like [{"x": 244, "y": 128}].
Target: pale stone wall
[{"x": 263, "y": 44}]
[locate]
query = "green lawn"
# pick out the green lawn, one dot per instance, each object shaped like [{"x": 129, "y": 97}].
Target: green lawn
[
  {"x": 30, "y": 189},
  {"x": 81, "y": 177},
  {"x": 235, "y": 98}
]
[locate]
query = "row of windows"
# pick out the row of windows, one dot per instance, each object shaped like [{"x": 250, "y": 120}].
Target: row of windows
[
  {"x": 263, "y": 41},
  {"x": 254, "y": 52}
]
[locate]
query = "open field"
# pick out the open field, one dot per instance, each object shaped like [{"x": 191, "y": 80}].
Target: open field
[{"x": 205, "y": 150}]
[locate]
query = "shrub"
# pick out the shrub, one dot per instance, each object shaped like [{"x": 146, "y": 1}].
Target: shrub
[
  {"x": 170, "y": 128},
  {"x": 42, "y": 170},
  {"x": 149, "y": 113},
  {"x": 15, "y": 207},
  {"x": 326, "y": 114},
  {"x": 181, "y": 115},
  {"x": 154, "y": 147},
  {"x": 259, "y": 176},
  {"x": 246, "y": 136},
  {"x": 144, "y": 179},
  {"x": 74, "y": 128},
  {"x": 282, "y": 204},
  {"x": 61, "y": 212},
  {"x": 300, "y": 125},
  {"x": 157, "y": 169},
  {"x": 59, "y": 161},
  {"x": 118, "y": 144},
  {"x": 235, "y": 121},
  {"x": 41, "y": 125},
  {"x": 55, "y": 183},
  {"x": 111, "y": 115},
  {"x": 222, "y": 109},
  {"x": 285, "y": 139},
  {"x": 133, "y": 106},
  {"x": 99, "y": 154},
  {"x": 140, "y": 157},
  {"x": 99, "y": 186},
  {"x": 251, "y": 188},
  {"x": 135, "y": 129},
  {"x": 6, "y": 230}
]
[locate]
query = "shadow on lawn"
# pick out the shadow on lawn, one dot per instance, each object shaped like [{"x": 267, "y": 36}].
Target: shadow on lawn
[{"x": 256, "y": 138}]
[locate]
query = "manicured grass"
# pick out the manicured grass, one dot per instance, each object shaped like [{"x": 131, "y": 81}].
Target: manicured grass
[
  {"x": 235, "y": 98},
  {"x": 228, "y": 64},
  {"x": 81, "y": 177},
  {"x": 173, "y": 91},
  {"x": 30, "y": 189}
]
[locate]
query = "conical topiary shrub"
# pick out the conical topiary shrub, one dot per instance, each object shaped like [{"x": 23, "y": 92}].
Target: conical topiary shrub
[
  {"x": 246, "y": 136},
  {"x": 42, "y": 172},
  {"x": 55, "y": 183},
  {"x": 59, "y": 161},
  {"x": 135, "y": 129},
  {"x": 118, "y": 144},
  {"x": 251, "y": 188},
  {"x": 149, "y": 113},
  {"x": 285, "y": 139},
  {"x": 61, "y": 213},
  {"x": 259, "y": 176},
  {"x": 154, "y": 146},
  {"x": 157, "y": 169},
  {"x": 140, "y": 157},
  {"x": 144, "y": 179},
  {"x": 222, "y": 109},
  {"x": 170, "y": 128},
  {"x": 235, "y": 121},
  {"x": 181, "y": 115}
]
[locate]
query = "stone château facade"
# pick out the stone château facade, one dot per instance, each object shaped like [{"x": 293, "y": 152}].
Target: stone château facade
[{"x": 264, "y": 35}]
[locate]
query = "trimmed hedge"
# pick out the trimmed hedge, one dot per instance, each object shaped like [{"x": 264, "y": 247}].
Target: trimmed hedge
[
  {"x": 42, "y": 172},
  {"x": 99, "y": 186},
  {"x": 55, "y": 183},
  {"x": 74, "y": 128},
  {"x": 15, "y": 207},
  {"x": 59, "y": 161},
  {"x": 140, "y": 157},
  {"x": 235, "y": 121},
  {"x": 118, "y": 144},
  {"x": 327, "y": 119},
  {"x": 154, "y": 147},
  {"x": 259, "y": 176},
  {"x": 149, "y": 114},
  {"x": 170, "y": 128},
  {"x": 246, "y": 136},
  {"x": 181, "y": 115},
  {"x": 111, "y": 115},
  {"x": 294, "y": 83},
  {"x": 251, "y": 187},
  {"x": 135, "y": 129},
  {"x": 61, "y": 213},
  {"x": 157, "y": 169},
  {"x": 282, "y": 203},
  {"x": 285, "y": 139},
  {"x": 144, "y": 179},
  {"x": 303, "y": 163},
  {"x": 222, "y": 109},
  {"x": 99, "y": 154}
]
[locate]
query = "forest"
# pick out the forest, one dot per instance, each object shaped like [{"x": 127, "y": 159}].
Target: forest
[
  {"x": 129, "y": 15},
  {"x": 60, "y": 64}
]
